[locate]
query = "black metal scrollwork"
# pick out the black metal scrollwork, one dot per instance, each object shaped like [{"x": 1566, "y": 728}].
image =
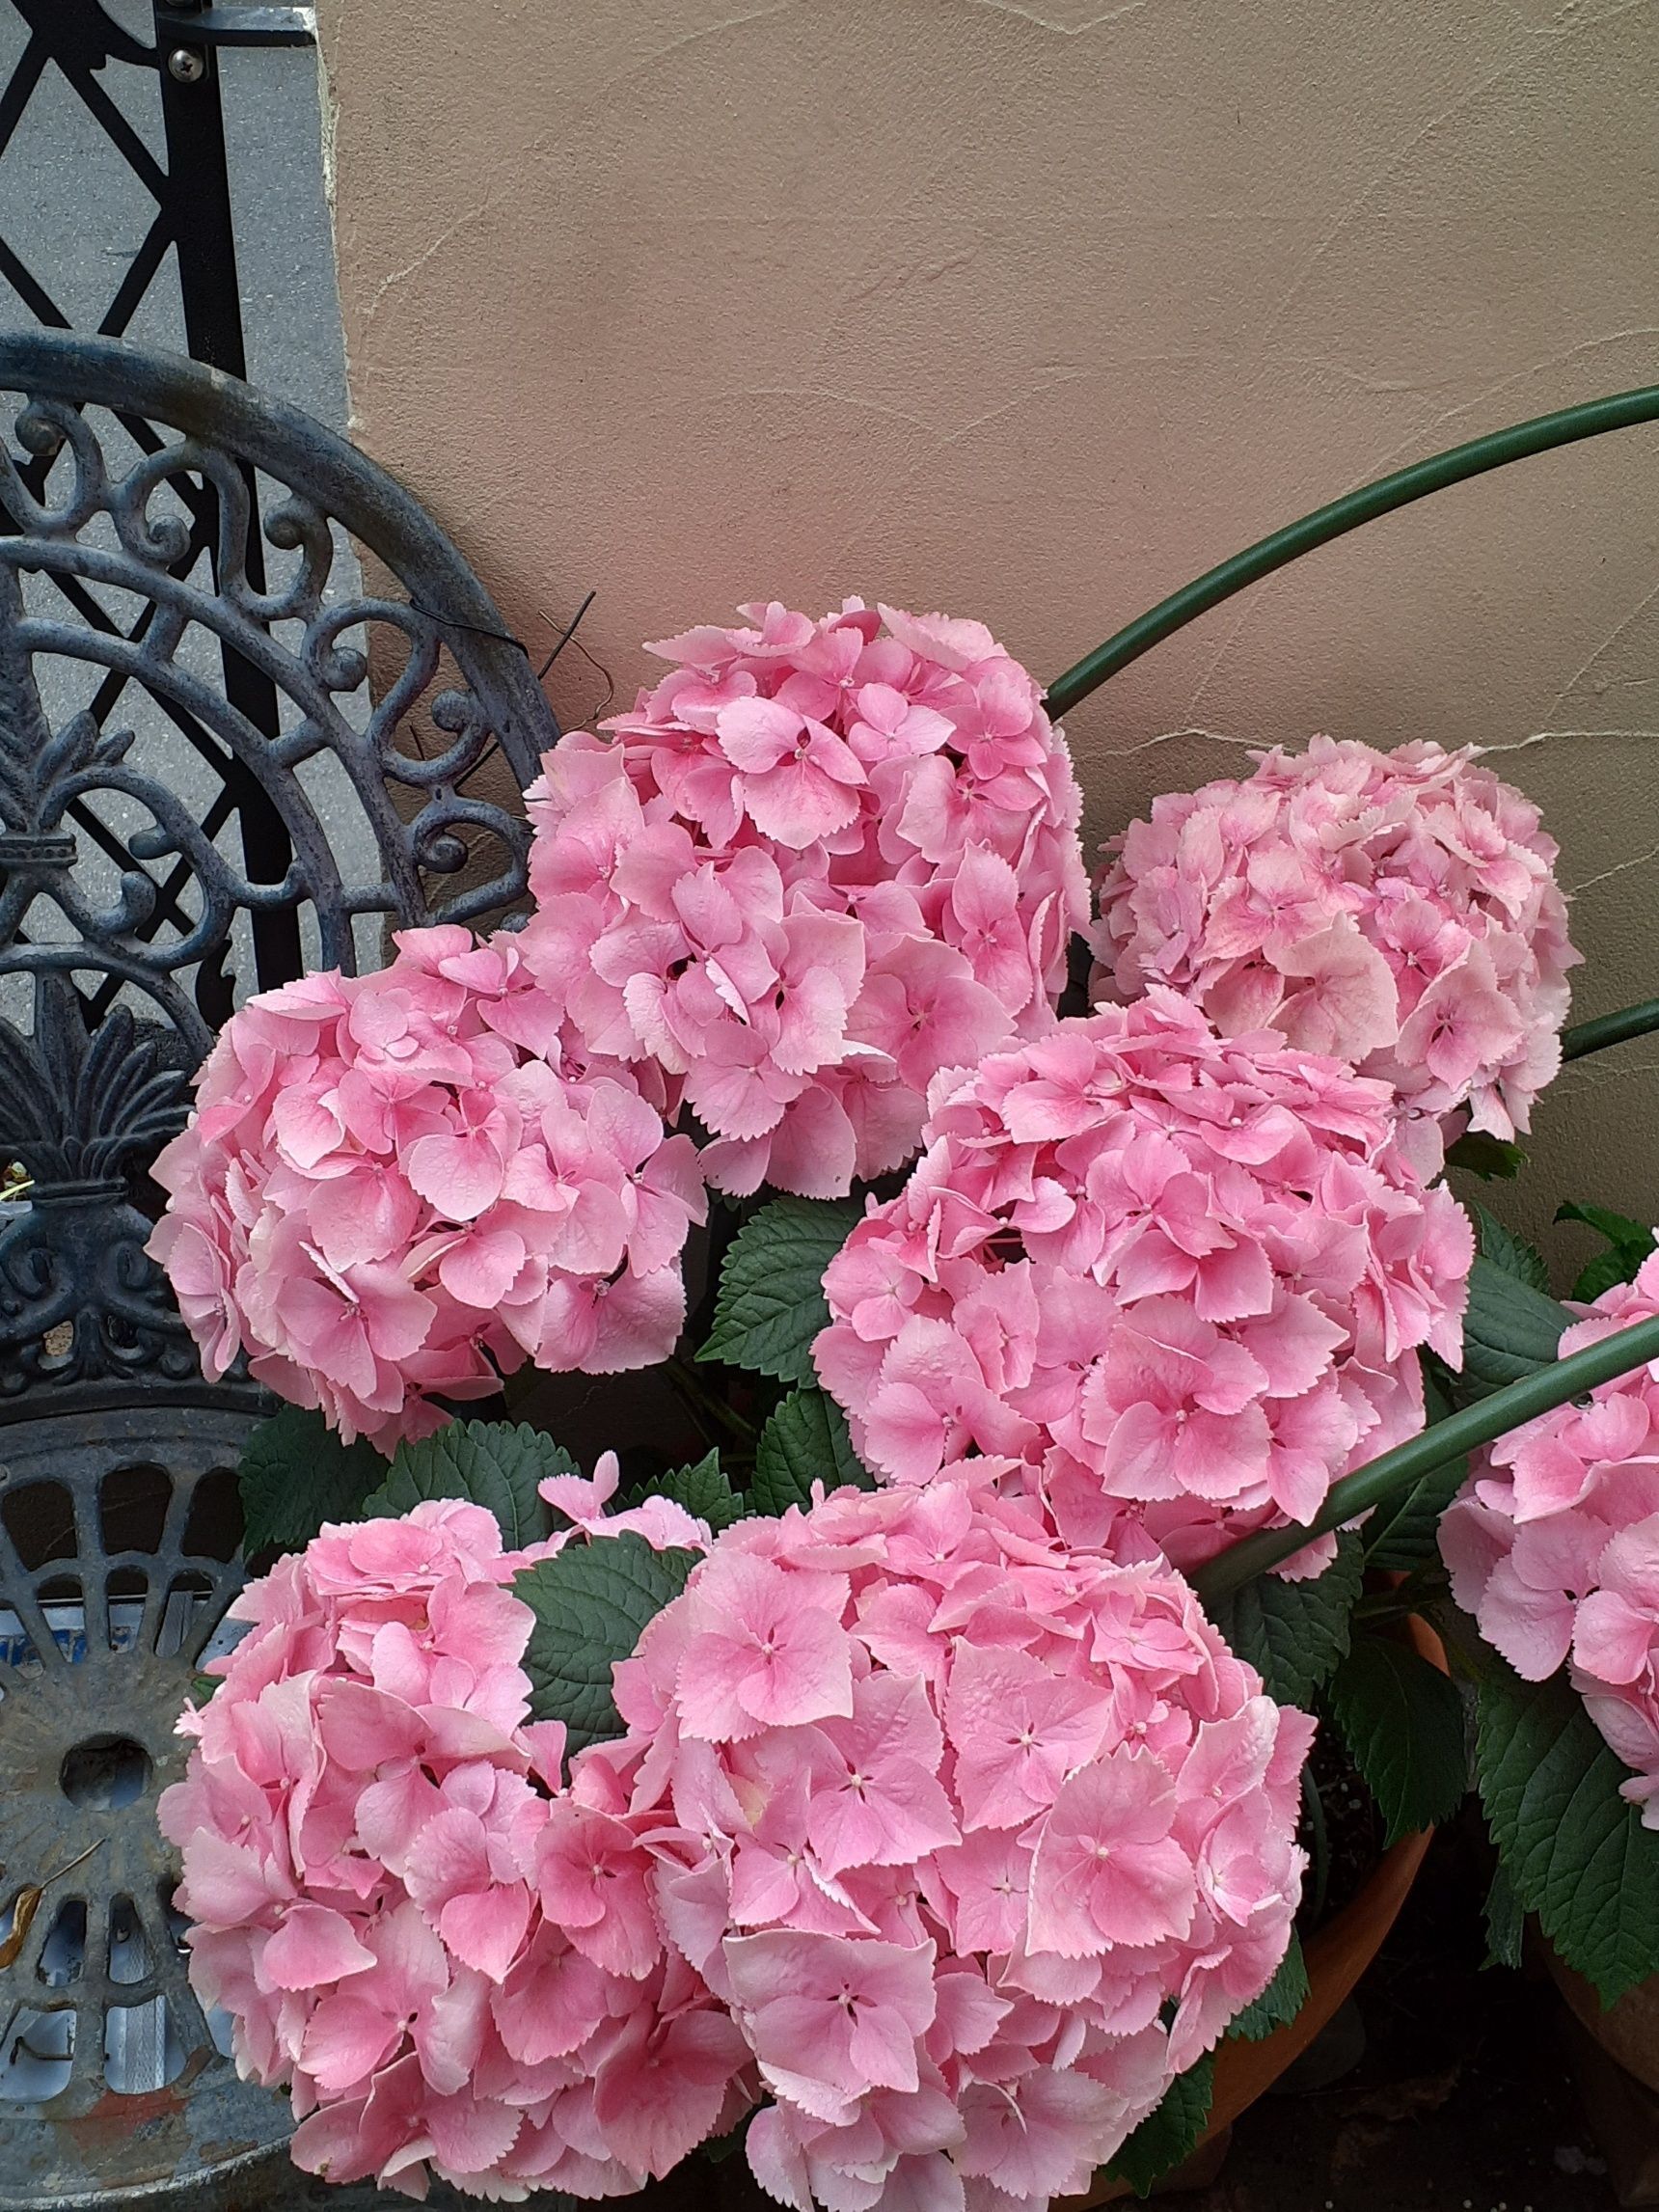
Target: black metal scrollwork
[
  {"x": 186, "y": 646},
  {"x": 80, "y": 1301},
  {"x": 230, "y": 524}
]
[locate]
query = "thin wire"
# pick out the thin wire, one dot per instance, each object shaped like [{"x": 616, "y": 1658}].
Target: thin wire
[
  {"x": 597, "y": 665},
  {"x": 595, "y": 713},
  {"x": 566, "y": 637},
  {"x": 506, "y": 637},
  {"x": 478, "y": 629},
  {"x": 1620, "y": 411},
  {"x": 569, "y": 633}
]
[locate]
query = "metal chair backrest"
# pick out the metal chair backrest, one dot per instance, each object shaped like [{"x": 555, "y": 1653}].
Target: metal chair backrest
[{"x": 255, "y": 710}]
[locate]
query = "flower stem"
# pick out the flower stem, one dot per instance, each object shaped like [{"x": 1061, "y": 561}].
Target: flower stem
[
  {"x": 713, "y": 1412},
  {"x": 1609, "y": 1029},
  {"x": 1421, "y": 1455},
  {"x": 1590, "y": 419}
]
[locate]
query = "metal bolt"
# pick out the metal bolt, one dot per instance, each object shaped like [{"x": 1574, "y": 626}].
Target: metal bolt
[{"x": 187, "y": 64}]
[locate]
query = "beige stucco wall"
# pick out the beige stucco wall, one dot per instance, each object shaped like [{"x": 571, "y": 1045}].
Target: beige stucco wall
[{"x": 1030, "y": 310}]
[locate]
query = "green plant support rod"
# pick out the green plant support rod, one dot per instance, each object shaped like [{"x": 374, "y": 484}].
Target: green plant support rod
[
  {"x": 1610, "y": 1030},
  {"x": 1421, "y": 1455},
  {"x": 1619, "y": 412}
]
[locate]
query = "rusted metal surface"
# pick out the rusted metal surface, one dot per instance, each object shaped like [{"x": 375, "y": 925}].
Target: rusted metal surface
[{"x": 117, "y": 1560}]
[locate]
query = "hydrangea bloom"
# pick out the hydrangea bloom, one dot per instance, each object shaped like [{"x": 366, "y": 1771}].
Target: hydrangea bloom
[
  {"x": 1554, "y": 1544},
  {"x": 402, "y": 1184},
  {"x": 981, "y": 1840},
  {"x": 1156, "y": 1276},
  {"x": 397, "y": 1898},
  {"x": 1399, "y": 909},
  {"x": 819, "y": 861},
  {"x": 952, "y": 1845}
]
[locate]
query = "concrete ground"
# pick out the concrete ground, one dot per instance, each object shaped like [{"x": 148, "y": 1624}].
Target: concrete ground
[{"x": 74, "y": 210}]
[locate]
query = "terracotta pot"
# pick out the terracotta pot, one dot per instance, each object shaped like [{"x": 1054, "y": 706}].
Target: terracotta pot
[
  {"x": 1337, "y": 1955},
  {"x": 1627, "y": 2031}
]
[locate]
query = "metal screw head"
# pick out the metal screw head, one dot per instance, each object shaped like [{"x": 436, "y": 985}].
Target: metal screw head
[{"x": 187, "y": 64}]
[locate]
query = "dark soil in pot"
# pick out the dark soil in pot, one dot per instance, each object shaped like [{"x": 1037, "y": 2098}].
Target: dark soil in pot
[
  {"x": 1344, "y": 1841},
  {"x": 1461, "y": 2101}
]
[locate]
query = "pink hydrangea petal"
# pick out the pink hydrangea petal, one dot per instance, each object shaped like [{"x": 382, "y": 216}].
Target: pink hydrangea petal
[{"x": 312, "y": 1947}]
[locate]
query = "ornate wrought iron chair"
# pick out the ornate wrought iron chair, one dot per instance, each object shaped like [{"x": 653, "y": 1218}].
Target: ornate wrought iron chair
[{"x": 198, "y": 798}]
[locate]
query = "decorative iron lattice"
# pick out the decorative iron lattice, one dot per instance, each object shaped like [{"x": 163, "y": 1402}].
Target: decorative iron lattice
[
  {"x": 78, "y": 39},
  {"x": 79, "y": 1298},
  {"x": 162, "y": 847},
  {"x": 223, "y": 757}
]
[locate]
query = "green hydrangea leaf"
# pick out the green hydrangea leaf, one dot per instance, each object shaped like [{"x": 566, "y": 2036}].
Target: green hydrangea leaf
[
  {"x": 495, "y": 1464},
  {"x": 1504, "y": 1921},
  {"x": 1401, "y": 1720},
  {"x": 1510, "y": 1330},
  {"x": 1169, "y": 2136},
  {"x": 1576, "y": 1853},
  {"x": 1279, "y": 2002},
  {"x": 1617, "y": 1228},
  {"x": 1614, "y": 1266},
  {"x": 1499, "y": 1245},
  {"x": 702, "y": 1489},
  {"x": 1404, "y": 1533},
  {"x": 1478, "y": 1153},
  {"x": 805, "y": 1442},
  {"x": 1628, "y": 1244},
  {"x": 294, "y": 1475},
  {"x": 1296, "y": 1634},
  {"x": 770, "y": 1303},
  {"x": 592, "y": 1602}
]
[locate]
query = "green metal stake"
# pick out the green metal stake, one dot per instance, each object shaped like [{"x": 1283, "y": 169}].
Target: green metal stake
[
  {"x": 1421, "y": 1455},
  {"x": 1615, "y": 1355},
  {"x": 1619, "y": 412},
  {"x": 1610, "y": 1030}
]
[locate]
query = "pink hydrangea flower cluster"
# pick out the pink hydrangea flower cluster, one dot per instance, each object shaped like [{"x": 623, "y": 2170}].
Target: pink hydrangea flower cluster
[
  {"x": 1172, "y": 1284},
  {"x": 1398, "y": 910},
  {"x": 820, "y": 862},
  {"x": 981, "y": 1841},
  {"x": 947, "y": 1845},
  {"x": 402, "y": 1184},
  {"x": 1554, "y": 1544},
  {"x": 412, "y": 1921}
]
